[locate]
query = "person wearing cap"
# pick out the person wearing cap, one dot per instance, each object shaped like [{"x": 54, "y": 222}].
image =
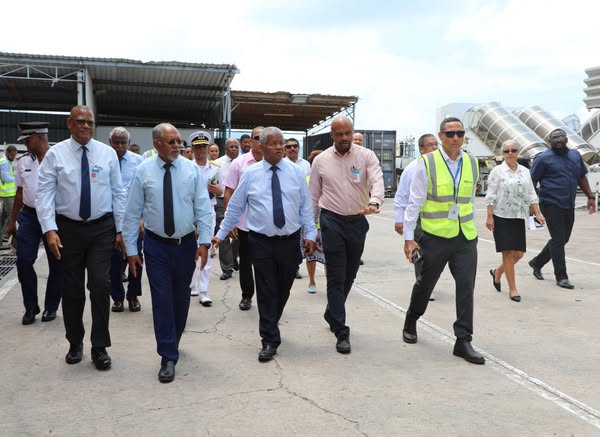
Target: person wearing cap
[
  {"x": 274, "y": 220},
  {"x": 211, "y": 173},
  {"x": 119, "y": 139},
  {"x": 79, "y": 203},
  {"x": 29, "y": 232},
  {"x": 240, "y": 231},
  {"x": 8, "y": 188},
  {"x": 228, "y": 250},
  {"x": 171, "y": 195}
]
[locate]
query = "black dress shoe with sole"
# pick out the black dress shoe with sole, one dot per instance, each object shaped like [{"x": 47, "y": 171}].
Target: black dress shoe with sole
[
  {"x": 29, "y": 316},
  {"x": 75, "y": 354},
  {"x": 409, "y": 333},
  {"x": 497, "y": 285},
  {"x": 225, "y": 276},
  {"x": 343, "y": 345},
  {"x": 409, "y": 337},
  {"x": 48, "y": 316},
  {"x": 118, "y": 307},
  {"x": 100, "y": 358},
  {"x": 267, "y": 353},
  {"x": 536, "y": 271},
  {"x": 167, "y": 372},
  {"x": 565, "y": 283},
  {"x": 245, "y": 304},
  {"x": 134, "y": 305},
  {"x": 463, "y": 349}
]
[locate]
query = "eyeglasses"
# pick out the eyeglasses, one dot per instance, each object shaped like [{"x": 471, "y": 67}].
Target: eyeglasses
[
  {"x": 82, "y": 122},
  {"x": 451, "y": 133},
  {"x": 173, "y": 142},
  {"x": 558, "y": 136},
  {"x": 289, "y": 146},
  {"x": 510, "y": 151},
  {"x": 256, "y": 138}
]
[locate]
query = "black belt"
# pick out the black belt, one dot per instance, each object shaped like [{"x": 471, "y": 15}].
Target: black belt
[
  {"x": 29, "y": 209},
  {"x": 84, "y": 222},
  {"x": 171, "y": 241},
  {"x": 344, "y": 218},
  {"x": 277, "y": 237}
]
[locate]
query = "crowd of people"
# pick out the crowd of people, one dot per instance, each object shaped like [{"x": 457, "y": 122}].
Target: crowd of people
[{"x": 102, "y": 209}]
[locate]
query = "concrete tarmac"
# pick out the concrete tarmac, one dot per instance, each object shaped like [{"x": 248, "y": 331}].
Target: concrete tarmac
[{"x": 541, "y": 377}]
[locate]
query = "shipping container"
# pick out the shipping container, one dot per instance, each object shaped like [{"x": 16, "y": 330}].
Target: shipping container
[{"x": 382, "y": 142}]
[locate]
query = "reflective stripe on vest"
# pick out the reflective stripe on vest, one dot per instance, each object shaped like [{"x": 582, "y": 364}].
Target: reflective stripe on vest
[
  {"x": 8, "y": 189},
  {"x": 440, "y": 196}
]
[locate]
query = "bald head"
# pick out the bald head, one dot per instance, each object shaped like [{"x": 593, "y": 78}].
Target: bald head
[{"x": 341, "y": 133}]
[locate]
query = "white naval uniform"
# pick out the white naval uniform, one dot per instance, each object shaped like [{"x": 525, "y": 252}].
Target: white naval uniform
[{"x": 201, "y": 278}]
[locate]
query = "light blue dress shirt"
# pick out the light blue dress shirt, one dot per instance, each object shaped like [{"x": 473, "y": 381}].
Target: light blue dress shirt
[
  {"x": 190, "y": 202},
  {"x": 59, "y": 185},
  {"x": 254, "y": 191},
  {"x": 5, "y": 171},
  {"x": 128, "y": 163}
]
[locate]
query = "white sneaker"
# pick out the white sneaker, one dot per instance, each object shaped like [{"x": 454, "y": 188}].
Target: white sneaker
[
  {"x": 194, "y": 292},
  {"x": 205, "y": 299}
]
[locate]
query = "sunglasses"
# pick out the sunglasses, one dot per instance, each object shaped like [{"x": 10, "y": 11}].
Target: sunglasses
[
  {"x": 451, "y": 133},
  {"x": 256, "y": 138},
  {"x": 289, "y": 146},
  {"x": 510, "y": 151}
]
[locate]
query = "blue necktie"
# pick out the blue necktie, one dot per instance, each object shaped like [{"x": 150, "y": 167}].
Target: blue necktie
[
  {"x": 278, "y": 216},
  {"x": 85, "y": 209},
  {"x": 168, "y": 201}
]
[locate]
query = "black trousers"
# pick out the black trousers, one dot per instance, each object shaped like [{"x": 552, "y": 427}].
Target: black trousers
[
  {"x": 461, "y": 256},
  {"x": 228, "y": 249},
  {"x": 343, "y": 245},
  {"x": 275, "y": 263},
  {"x": 86, "y": 247},
  {"x": 560, "y": 224},
  {"x": 246, "y": 275}
]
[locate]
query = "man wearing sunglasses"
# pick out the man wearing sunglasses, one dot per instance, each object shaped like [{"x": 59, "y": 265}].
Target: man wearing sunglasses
[
  {"x": 442, "y": 194},
  {"x": 80, "y": 204},
  {"x": 559, "y": 171},
  {"x": 292, "y": 150}
]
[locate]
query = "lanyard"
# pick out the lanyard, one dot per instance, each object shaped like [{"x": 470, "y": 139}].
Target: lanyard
[{"x": 455, "y": 177}]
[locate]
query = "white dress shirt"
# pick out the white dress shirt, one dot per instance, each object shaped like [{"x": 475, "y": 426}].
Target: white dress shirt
[
  {"x": 26, "y": 176},
  {"x": 403, "y": 190}
]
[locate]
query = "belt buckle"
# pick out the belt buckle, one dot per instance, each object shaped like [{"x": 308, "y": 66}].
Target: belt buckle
[{"x": 178, "y": 241}]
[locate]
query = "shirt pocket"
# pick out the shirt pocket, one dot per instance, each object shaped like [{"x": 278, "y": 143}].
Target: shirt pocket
[{"x": 100, "y": 173}]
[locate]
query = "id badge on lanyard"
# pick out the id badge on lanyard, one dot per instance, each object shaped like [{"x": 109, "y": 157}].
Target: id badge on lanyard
[{"x": 454, "y": 209}]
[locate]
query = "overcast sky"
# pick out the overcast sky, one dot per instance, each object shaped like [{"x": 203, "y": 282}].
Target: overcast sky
[{"x": 403, "y": 59}]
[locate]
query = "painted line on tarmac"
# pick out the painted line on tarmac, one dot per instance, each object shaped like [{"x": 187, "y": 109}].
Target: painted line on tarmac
[
  {"x": 546, "y": 391},
  {"x": 493, "y": 242}
]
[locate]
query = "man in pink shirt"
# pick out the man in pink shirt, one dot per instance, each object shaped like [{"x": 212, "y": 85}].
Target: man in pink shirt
[
  {"x": 240, "y": 232},
  {"x": 340, "y": 181}
]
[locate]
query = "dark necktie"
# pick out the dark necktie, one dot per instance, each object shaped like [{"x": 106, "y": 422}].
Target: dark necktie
[
  {"x": 278, "y": 216},
  {"x": 168, "y": 201},
  {"x": 121, "y": 163},
  {"x": 85, "y": 209}
]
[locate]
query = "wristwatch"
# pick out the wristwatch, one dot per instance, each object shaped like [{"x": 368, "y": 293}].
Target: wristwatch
[{"x": 374, "y": 204}]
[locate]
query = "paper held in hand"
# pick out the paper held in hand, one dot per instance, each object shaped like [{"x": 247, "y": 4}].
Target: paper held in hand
[{"x": 534, "y": 225}]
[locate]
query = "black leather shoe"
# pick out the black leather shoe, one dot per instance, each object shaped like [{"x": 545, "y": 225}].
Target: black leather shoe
[
  {"x": 134, "y": 305},
  {"x": 167, "y": 372},
  {"x": 245, "y": 304},
  {"x": 409, "y": 333},
  {"x": 565, "y": 283},
  {"x": 515, "y": 298},
  {"x": 267, "y": 353},
  {"x": 463, "y": 349},
  {"x": 236, "y": 265},
  {"x": 29, "y": 316},
  {"x": 75, "y": 354},
  {"x": 536, "y": 272},
  {"x": 100, "y": 358},
  {"x": 117, "y": 307},
  {"x": 497, "y": 285},
  {"x": 343, "y": 345},
  {"x": 225, "y": 276},
  {"x": 48, "y": 316}
]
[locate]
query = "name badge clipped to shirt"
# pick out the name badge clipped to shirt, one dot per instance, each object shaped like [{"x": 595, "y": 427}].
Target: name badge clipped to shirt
[
  {"x": 95, "y": 173},
  {"x": 355, "y": 175},
  {"x": 453, "y": 212}
]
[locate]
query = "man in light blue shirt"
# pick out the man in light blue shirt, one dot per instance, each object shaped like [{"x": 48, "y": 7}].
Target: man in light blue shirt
[
  {"x": 128, "y": 161},
  {"x": 171, "y": 195},
  {"x": 79, "y": 204},
  {"x": 279, "y": 204}
]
